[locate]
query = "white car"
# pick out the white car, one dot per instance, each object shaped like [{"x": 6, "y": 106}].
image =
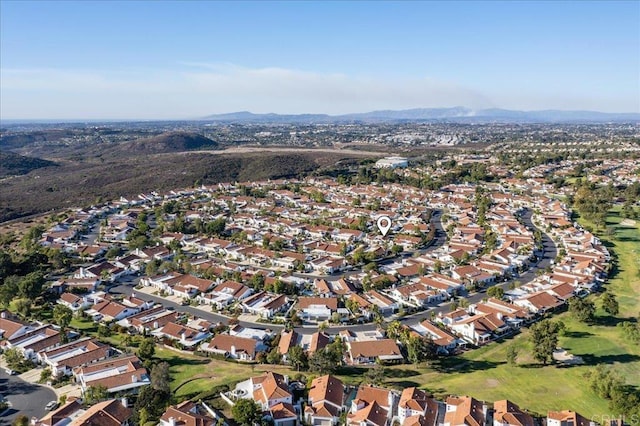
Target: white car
[
  {"x": 51, "y": 405},
  {"x": 10, "y": 372}
]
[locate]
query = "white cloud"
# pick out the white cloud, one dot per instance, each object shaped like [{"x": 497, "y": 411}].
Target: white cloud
[{"x": 198, "y": 89}]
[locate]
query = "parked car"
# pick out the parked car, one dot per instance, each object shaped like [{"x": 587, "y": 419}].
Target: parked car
[
  {"x": 10, "y": 372},
  {"x": 51, "y": 405}
]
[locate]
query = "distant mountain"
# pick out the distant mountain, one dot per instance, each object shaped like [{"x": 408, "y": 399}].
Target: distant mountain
[
  {"x": 453, "y": 115},
  {"x": 12, "y": 164},
  {"x": 169, "y": 142}
]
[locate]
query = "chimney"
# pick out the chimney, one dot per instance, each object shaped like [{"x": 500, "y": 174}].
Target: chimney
[
  {"x": 134, "y": 378},
  {"x": 124, "y": 402},
  {"x": 233, "y": 349},
  {"x": 172, "y": 421},
  {"x": 183, "y": 336},
  {"x": 3, "y": 314}
]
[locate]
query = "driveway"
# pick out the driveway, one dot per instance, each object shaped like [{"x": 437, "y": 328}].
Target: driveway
[{"x": 26, "y": 398}]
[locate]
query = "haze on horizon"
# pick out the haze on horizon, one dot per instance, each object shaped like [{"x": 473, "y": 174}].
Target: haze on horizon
[{"x": 170, "y": 60}]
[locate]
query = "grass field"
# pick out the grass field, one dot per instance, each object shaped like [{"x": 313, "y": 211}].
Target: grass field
[
  {"x": 485, "y": 374},
  {"x": 208, "y": 373}
]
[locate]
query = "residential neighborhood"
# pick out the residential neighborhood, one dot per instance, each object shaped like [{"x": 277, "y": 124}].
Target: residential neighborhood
[{"x": 296, "y": 273}]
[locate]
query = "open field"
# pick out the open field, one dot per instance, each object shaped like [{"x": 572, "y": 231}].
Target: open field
[{"x": 209, "y": 373}]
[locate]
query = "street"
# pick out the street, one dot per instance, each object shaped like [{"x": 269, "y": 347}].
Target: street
[{"x": 26, "y": 398}]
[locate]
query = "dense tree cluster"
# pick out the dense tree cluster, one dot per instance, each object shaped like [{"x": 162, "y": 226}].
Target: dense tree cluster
[{"x": 544, "y": 337}]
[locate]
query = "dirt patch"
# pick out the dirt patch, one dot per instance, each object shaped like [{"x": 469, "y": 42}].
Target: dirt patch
[{"x": 492, "y": 383}]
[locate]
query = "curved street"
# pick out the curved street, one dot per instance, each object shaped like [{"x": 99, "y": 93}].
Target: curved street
[
  {"x": 548, "y": 255},
  {"x": 26, "y": 398}
]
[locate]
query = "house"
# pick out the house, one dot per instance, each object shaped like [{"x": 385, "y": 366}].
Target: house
[
  {"x": 11, "y": 327},
  {"x": 512, "y": 315},
  {"x": 183, "y": 334},
  {"x": 481, "y": 328},
  {"x": 267, "y": 390},
  {"x": 64, "y": 358},
  {"x": 149, "y": 320},
  {"x": 186, "y": 413},
  {"x": 113, "y": 412},
  {"x": 319, "y": 341},
  {"x": 73, "y": 302},
  {"x": 539, "y": 302},
  {"x": 265, "y": 304},
  {"x": 418, "y": 294},
  {"x": 316, "y": 308},
  {"x": 124, "y": 373},
  {"x": 472, "y": 275},
  {"x": 34, "y": 340},
  {"x": 240, "y": 348},
  {"x": 326, "y": 401},
  {"x": 417, "y": 407},
  {"x": 506, "y": 413},
  {"x": 283, "y": 414},
  {"x": 288, "y": 338},
  {"x": 464, "y": 411},
  {"x": 187, "y": 286},
  {"x": 109, "y": 310},
  {"x": 567, "y": 418},
  {"x": 372, "y": 406},
  {"x": 445, "y": 341},
  {"x": 63, "y": 415},
  {"x": 368, "y": 352},
  {"x": 226, "y": 293}
]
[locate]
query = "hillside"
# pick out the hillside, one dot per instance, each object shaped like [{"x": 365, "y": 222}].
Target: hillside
[
  {"x": 168, "y": 142},
  {"x": 83, "y": 183},
  {"x": 12, "y": 164}
]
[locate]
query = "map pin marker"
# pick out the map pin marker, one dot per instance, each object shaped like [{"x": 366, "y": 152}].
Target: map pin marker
[{"x": 384, "y": 224}]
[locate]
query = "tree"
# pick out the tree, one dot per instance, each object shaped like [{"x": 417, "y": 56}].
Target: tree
[
  {"x": 23, "y": 307},
  {"x": 610, "y": 304},
  {"x": 21, "y": 420},
  {"x": 246, "y": 412},
  {"x": 45, "y": 375},
  {"x": 512, "y": 355},
  {"x": 298, "y": 358},
  {"x": 9, "y": 289},
  {"x": 274, "y": 356},
  {"x": 13, "y": 358},
  {"x": 147, "y": 348},
  {"x": 420, "y": 349},
  {"x": 496, "y": 292},
  {"x": 143, "y": 416},
  {"x": 160, "y": 377},
  {"x": 544, "y": 336},
  {"x": 374, "y": 376},
  {"x": 31, "y": 285},
  {"x": 153, "y": 401},
  {"x": 62, "y": 316},
  {"x": 324, "y": 361},
  {"x": 95, "y": 394},
  {"x": 584, "y": 310},
  {"x": 393, "y": 329},
  {"x": 376, "y": 315}
]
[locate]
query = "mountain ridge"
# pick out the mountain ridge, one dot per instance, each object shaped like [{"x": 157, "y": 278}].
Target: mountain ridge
[{"x": 455, "y": 114}]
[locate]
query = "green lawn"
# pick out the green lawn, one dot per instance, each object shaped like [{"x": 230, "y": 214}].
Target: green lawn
[
  {"x": 210, "y": 372},
  {"x": 484, "y": 373}
]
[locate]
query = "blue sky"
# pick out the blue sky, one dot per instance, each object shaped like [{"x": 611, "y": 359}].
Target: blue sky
[{"x": 166, "y": 59}]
